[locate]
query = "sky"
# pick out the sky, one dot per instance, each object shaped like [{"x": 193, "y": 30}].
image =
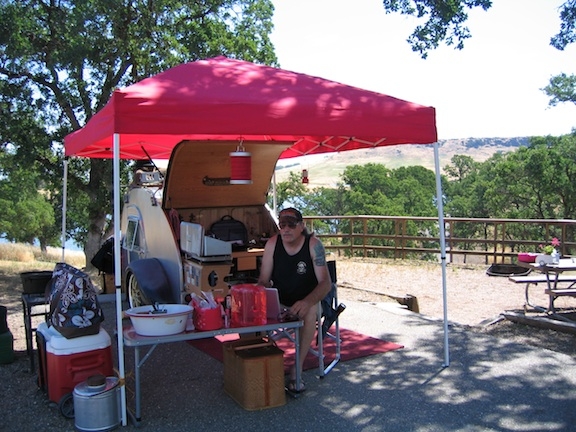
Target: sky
[{"x": 491, "y": 88}]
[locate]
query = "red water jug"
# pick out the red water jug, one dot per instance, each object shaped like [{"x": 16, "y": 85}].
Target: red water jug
[{"x": 248, "y": 305}]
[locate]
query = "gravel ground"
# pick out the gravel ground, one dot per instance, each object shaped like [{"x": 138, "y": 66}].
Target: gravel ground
[{"x": 473, "y": 298}]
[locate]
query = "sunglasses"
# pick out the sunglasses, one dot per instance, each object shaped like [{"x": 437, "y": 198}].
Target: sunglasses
[{"x": 290, "y": 225}]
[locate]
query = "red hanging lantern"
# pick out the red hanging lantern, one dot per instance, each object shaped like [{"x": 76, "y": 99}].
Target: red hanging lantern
[
  {"x": 305, "y": 176},
  {"x": 240, "y": 166}
]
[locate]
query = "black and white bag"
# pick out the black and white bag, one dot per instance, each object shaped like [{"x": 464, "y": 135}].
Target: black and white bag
[{"x": 74, "y": 307}]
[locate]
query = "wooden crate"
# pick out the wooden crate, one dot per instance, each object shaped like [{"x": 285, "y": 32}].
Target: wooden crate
[
  {"x": 109, "y": 286},
  {"x": 254, "y": 373}
]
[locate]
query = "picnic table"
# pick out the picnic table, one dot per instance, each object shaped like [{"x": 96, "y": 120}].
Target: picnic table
[{"x": 560, "y": 280}]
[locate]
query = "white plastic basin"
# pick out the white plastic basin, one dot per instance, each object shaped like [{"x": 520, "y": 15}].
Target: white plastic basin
[{"x": 148, "y": 323}]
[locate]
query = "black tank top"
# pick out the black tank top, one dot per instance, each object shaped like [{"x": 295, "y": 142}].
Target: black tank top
[{"x": 293, "y": 275}]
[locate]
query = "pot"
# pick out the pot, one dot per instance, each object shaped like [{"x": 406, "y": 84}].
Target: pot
[
  {"x": 169, "y": 319},
  {"x": 97, "y": 404}
]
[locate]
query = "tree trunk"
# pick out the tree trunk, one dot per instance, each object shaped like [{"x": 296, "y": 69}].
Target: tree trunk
[
  {"x": 43, "y": 245},
  {"x": 100, "y": 189}
]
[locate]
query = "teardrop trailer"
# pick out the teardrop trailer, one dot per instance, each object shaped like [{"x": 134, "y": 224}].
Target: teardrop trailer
[{"x": 170, "y": 246}]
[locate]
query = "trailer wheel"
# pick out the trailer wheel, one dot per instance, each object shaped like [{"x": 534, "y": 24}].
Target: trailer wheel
[{"x": 135, "y": 295}]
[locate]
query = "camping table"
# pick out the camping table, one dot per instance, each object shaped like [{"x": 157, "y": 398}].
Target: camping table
[
  {"x": 136, "y": 341},
  {"x": 553, "y": 274}
]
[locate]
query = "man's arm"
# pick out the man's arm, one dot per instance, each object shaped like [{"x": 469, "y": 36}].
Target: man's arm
[
  {"x": 320, "y": 269},
  {"x": 318, "y": 254},
  {"x": 267, "y": 263}
]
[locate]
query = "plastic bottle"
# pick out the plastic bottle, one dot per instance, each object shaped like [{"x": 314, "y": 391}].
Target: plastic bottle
[
  {"x": 6, "y": 338},
  {"x": 248, "y": 305}
]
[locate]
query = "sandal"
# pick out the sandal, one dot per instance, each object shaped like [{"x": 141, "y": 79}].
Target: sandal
[{"x": 292, "y": 386}]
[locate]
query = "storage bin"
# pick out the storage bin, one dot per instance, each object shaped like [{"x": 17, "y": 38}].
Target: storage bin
[
  {"x": 34, "y": 282},
  {"x": 207, "y": 319},
  {"x": 248, "y": 305},
  {"x": 68, "y": 362},
  {"x": 254, "y": 373},
  {"x": 6, "y": 338}
]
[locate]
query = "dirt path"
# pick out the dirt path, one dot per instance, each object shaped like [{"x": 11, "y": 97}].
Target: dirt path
[{"x": 472, "y": 296}]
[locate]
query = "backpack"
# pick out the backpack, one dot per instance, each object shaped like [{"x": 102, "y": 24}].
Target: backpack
[
  {"x": 103, "y": 260},
  {"x": 74, "y": 307}
]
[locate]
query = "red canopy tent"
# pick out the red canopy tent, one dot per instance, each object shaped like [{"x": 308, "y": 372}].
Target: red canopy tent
[{"x": 226, "y": 99}]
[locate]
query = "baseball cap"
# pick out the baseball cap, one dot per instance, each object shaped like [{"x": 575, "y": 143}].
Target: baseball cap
[{"x": 290, "y": 213}]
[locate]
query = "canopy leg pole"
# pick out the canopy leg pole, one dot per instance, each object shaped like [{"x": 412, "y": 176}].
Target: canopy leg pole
[
  {"x": 440, "y": 204},
  {"x": 117, "y": 274},
  {"x": 64, "y": 204},
  {"x": 274, "y": 198}
]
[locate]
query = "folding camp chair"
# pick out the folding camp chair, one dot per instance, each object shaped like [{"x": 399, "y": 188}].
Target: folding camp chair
[
  {"x": 328, "y": 326},
  {"x": 328, "y": 314}
]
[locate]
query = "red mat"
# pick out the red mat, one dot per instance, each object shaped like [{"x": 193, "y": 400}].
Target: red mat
[{"x": 354, "y": 345}]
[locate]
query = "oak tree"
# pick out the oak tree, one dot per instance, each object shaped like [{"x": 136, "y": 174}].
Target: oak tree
[
  {"x": 64, "y": 58},
  {"x": 445, "y": 22}
]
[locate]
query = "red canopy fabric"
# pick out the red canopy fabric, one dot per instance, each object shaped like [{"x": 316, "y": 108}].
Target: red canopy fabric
[{"x": 226, "y": 99}]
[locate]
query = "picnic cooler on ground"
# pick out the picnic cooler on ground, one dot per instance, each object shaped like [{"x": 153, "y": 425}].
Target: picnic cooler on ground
[
  {"x": 64, "y": 363},
  {"x": 254, "y": 373}
]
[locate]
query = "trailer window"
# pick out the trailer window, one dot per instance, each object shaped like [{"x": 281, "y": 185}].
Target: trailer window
[{"x": 132, "y": 239}]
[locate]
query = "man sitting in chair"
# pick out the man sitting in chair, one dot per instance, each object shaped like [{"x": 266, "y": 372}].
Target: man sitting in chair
[{"x": 294, "y": 261}]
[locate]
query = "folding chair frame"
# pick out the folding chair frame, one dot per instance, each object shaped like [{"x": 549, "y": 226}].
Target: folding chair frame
[
  {"x": 335, "y": 335},
  {"x": 331, "y": 301}
]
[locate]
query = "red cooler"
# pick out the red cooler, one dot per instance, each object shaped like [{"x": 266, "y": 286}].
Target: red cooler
[{"x": 68, "y": 362}]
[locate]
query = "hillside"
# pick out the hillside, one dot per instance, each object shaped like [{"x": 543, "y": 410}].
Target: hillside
[{"x": 325, "y": 170}]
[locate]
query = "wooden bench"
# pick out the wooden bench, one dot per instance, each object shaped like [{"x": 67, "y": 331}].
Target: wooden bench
[
  {"x": 558, "y": 292},
  {"x": 552, "y": 293},
  {"x": 561, "y": 292},
  {"x": 541, "y": 278}
]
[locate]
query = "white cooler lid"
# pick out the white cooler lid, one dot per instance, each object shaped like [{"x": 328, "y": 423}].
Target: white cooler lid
[{"x": 59, "y": 345}]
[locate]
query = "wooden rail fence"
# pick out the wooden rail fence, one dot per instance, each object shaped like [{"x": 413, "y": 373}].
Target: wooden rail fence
[{"x": 491, "y": 240}]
